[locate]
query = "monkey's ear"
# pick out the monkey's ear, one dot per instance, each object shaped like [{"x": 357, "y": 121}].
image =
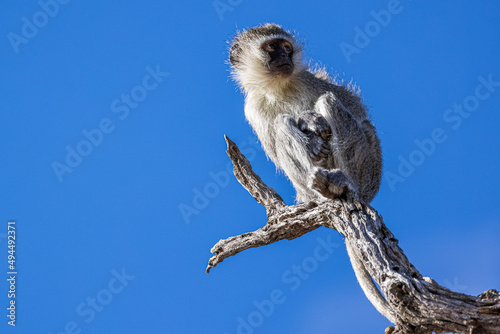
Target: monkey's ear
[{"x": 234, "y": 54}]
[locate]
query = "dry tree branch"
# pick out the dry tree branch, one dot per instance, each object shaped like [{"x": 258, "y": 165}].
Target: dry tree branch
[{"x": 416, "y": 304}]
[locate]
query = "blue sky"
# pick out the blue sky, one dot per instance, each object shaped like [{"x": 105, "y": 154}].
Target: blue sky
[{"x": 114, "y": 166}]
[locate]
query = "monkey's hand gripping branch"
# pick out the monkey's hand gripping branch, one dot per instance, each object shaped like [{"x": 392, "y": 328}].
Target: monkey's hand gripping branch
[{"x": 416, "y": 304}]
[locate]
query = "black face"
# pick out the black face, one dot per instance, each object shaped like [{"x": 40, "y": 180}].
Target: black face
[{"x": 280, "y": 53}]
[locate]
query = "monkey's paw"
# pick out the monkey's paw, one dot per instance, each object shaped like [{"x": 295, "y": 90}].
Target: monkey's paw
[
  {"x": 334, "y": 184},
  {"x": 312, "y": 122},
  {"x": 318, "y": 149}
]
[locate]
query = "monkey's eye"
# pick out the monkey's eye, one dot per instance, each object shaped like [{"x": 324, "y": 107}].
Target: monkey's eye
[
  {"x": 271, "y": 47},
  {"x": 287, "y": 47}
]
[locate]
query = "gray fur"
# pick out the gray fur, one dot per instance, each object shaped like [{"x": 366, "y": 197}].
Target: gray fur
[{"x": 317, "y": 131}]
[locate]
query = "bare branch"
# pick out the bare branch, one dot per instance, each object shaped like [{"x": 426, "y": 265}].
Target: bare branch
[
  {"x": 243, "y": 171},
  {"x": 416, "y": 304},
  {"x": 284, "y": 227}
]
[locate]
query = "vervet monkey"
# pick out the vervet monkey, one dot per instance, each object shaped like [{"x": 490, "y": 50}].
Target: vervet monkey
[{"x": 314, "y": 129}]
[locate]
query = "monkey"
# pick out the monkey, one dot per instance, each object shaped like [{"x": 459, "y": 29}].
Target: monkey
[{"x": 316, "y": 130}]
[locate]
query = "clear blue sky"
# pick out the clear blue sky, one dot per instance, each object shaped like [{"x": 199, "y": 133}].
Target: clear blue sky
[{"x": 114, "y": 166}]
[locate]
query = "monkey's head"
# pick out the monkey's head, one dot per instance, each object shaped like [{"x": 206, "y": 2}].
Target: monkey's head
[{"x": 265, "y": 55}]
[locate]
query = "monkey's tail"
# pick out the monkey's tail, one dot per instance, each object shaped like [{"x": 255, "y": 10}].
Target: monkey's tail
[{"x": 369, "y": 288}]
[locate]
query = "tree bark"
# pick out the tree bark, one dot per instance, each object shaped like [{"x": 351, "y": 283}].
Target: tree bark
[{"x": 415, "y": 304}]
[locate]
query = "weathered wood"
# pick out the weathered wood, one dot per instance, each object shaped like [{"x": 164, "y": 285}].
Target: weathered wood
[{"x": 416, "y": 304}]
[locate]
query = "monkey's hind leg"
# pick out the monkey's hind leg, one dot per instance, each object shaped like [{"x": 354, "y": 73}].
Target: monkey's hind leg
[
  {"x": 292, "y": 156},
  {"x": 333, "y": 184}
]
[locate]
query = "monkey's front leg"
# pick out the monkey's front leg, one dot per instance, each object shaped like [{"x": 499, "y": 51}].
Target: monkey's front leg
[
  {"x": 294, "y": 157},
  {"x": 319, "y": 135}
]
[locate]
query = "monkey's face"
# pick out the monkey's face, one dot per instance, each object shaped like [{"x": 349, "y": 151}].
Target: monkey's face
[
  {"x": 265, "y": 57},
  {"x": 279, "y": 53}
]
